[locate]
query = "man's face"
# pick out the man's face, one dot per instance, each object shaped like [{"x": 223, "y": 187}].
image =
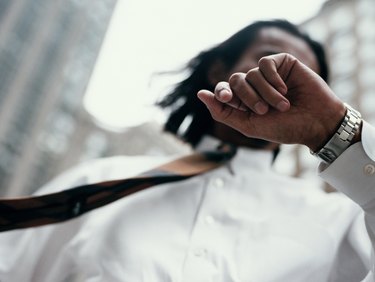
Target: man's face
[{"x": 270, "y": 40}]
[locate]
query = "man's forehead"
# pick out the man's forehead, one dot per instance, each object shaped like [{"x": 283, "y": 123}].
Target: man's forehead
[{"x": 283, "y": 41}]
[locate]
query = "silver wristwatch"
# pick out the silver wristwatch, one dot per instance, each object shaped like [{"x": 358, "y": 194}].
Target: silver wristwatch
[{"x": 342, "y": 138}]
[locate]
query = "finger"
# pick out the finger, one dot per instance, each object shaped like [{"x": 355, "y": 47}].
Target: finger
[
  {"x": 216, "y": 108},
  {"x": 266, "y": 90},
  {"x": 226, "y": 114},
  {"x": 268, "y": 67},
  {"x": 247, "y": 94},
  {"x": 224, "y": 94}
]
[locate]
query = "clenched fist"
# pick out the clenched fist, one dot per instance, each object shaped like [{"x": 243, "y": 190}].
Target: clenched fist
[{"x": 281, "y": 100}]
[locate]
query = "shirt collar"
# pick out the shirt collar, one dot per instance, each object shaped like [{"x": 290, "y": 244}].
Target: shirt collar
[{"x": 245, "y": 158}]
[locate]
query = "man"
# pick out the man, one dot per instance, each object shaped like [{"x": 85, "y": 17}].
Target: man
[
  {"x": 241, "y": 222},
  {"x": 292, "y": 98},
  {"x": 282, "y": 79}
]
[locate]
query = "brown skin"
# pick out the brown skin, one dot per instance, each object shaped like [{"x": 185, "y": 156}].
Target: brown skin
[
  {"x": 269, "y": 41},
  {"x": 281, "y": 98}
]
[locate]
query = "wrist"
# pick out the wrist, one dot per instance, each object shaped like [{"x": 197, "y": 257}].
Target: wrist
[{"x": 348, "y": 133}]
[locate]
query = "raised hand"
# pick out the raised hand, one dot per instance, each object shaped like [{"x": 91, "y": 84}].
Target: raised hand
[{"x": 281, "y": 100}]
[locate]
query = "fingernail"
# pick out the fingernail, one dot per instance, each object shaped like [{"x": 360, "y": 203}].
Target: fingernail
[
  {"x": 224, "y": 95},
  {"x": 282, "y": 106},
  {"x": 261, "y": 108}
]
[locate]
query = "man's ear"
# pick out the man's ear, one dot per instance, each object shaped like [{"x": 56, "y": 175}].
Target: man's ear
[{"x": 217, "y": 72}]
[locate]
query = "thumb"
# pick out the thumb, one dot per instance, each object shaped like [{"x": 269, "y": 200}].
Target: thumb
[
  {"x": 218, "y": 110},
  {"x": 221, "y": 112}
]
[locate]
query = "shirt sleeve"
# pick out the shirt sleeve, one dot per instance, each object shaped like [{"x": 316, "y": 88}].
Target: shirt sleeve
[{"x": 353, "y": 173}]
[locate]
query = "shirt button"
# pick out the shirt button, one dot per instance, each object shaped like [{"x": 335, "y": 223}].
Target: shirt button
[
  {"x": 369, "y": 169},
  {"x": 209, "y": 220},
  {"x": 218, "y": 182},
  {"x": 199, "y": 252}
]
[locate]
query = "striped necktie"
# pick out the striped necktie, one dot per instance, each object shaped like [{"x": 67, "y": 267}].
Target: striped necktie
[{"x": 57, "y": 207}]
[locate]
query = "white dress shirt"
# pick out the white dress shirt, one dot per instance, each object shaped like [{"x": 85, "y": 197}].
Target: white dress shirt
[{"x": 241, "y": 222}]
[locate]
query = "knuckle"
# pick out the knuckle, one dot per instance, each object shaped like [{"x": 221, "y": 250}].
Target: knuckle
[
  {"x": 290, "y": 58},
  {"x": 235, "y": 79},
  {"x": 251, "y": 74},
  {"x": 264, "y": 61}
]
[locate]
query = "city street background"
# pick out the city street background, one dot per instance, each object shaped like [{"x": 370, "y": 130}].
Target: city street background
[{"x": 78, "y": 78}]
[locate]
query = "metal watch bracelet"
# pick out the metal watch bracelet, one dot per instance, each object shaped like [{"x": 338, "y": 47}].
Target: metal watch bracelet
[{"x": 342, "y": 138}]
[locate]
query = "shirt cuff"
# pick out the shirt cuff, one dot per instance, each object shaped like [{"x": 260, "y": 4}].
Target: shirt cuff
[
  {"x": 368, "y": 139},
  {"x": 353, "y": 172}
]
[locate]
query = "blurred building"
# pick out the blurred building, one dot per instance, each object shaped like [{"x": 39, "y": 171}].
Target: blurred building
[
  {"x": 346, "y": 28},
  {"x": 47, "y": 53}
]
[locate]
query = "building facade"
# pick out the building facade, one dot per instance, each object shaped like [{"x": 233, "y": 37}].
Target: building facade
[
  {"x": 346, "y": 27},
  {"x": 47, "y": 52}
]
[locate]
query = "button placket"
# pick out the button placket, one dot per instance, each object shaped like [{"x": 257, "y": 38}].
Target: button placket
[
  {"x": 200, "y": 252},
  {"x": 205, "y": 227}
]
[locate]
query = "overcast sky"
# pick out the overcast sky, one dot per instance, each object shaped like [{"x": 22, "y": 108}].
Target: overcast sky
[{"x": 145, "y": 37}]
